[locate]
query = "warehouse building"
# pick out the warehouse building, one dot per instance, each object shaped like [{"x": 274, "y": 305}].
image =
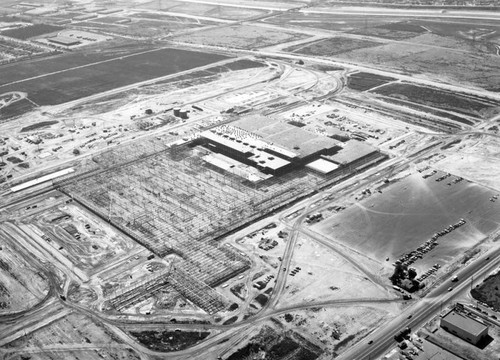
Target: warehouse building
[{"x": 465, "y": 327}]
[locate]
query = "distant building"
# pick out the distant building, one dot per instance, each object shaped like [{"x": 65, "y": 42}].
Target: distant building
[
  {"x": 466, "y": 328},
  {"x": 65, "y": 41}
]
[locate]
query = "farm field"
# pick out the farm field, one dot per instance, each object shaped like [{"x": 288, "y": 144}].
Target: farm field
[
  {"x": 362, "y": 81},
  {"x": 72, "y": 84},
  {"x": 27, "y": 32},
  {"x": 332, "y": 46},
  {"x": 15, "y": 109},
  {"x": 34, "y": 68},
  {"x": 409, "y": 212},
  {"x": 437, "y": 98},
  {"x": 437, "y": 63},
  {"x": 240, "y": 36}
]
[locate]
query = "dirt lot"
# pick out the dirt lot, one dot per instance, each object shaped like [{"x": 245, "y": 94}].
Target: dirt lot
[
  {"x": 21, "y": 286},
  {"x": 476, "y": 158},
  {"x": 271, "y": 342},
  {"x": 332, "y": 46},
  {"x": 338, "y": 328},
  {"x": 169, "y": 340},
  {"x": 73, "y": 337},
  {"x": 314, "y": 281},
  {"x": 242, "y": 36}
]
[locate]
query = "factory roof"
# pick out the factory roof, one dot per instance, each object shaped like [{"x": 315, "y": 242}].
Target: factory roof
[
  {"x": 288, "y": 137},
  {"x": 63, "y": 40},
  {"x": 466, "y": 323},
  {"x": 243, "y": 142},
  {"x": 352, "y": 151},
  {"x": 323, "y": 166}
]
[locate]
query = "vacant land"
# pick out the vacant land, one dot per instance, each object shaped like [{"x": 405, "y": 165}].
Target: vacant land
[
  {"x": 27, "y": 32},
  {"x": 332, "y": 46},
  {"x": 72, "y": 84},
  {"x": 73, "y": 337},
  {"x": 241, "y": 36},
  {"x": 437, "y": 98},
  {"x": 15, "y": 109},
  {"x": 210, "y": 10},
  {"x": 169, "y": 340},
  {"x": 363, "y": 81},
  {"x": 21, "y": 285},
  {"x": 341, "y": 22},
  {"x": 437, "y": 58},
  {"x": 488, "y": 292}
]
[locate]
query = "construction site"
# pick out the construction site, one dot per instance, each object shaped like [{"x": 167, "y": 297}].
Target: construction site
[{"x": 246, "y": 179}]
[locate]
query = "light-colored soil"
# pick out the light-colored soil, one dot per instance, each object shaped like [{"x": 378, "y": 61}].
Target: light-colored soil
[
  {"x": 73, "y": 337},
  {"x": 243, "y": 37},
  {"x": 314, "y": 281}
]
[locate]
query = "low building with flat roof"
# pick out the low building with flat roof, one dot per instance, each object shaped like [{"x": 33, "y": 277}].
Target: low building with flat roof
[
  {"x": 322, "y": 166},
  {"x": 465, "y": 327},
  {"x": 351, "y": 151},
  {"x": 63, "y": 40}
]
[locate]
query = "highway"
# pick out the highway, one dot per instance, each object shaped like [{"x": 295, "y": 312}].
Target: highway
[{"x": 424, "y": 309}]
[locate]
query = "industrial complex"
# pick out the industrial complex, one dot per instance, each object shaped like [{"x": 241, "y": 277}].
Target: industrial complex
[{"x": 246, "y": 179}]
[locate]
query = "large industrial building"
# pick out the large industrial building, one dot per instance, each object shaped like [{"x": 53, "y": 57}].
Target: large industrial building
[
  {"x": 465, "y": 327},
  {"x": 275, "y": 147}
]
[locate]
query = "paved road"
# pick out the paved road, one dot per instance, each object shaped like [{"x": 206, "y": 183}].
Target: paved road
[{"x": 424, "y": 309}]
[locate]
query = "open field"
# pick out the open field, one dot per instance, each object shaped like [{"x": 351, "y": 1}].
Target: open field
[
  {"x": 142, "y": 27},
  {"x": 240, "y": 36},
  {"x": 16, "y": 109},
  {"x": 210, "y": 10},
  {"x": 169, "y": 340},
  {"x": 488, "y": 293},
  {"x": 476, "y": 158},
  {"x": 27, "y": 32},
  {"x": 337, "y": 22},
  {"x": 72, "y": 84},
  {"x": 362, "y": 81},
  {"x": 409, "y": 212},
  {"x": 21, "y": 285},
  {"x": 314, "y": 281},
  {"x": 72, "y": 337},
  {"x": 337, "y": 328},
  {"x": 18, "y": 72},
  {"x": 271, "y": 342},
  {"x": 441, "y": 99},
  {"x": 433, "y": 57},
  {"x": 331, "y": 46}
]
